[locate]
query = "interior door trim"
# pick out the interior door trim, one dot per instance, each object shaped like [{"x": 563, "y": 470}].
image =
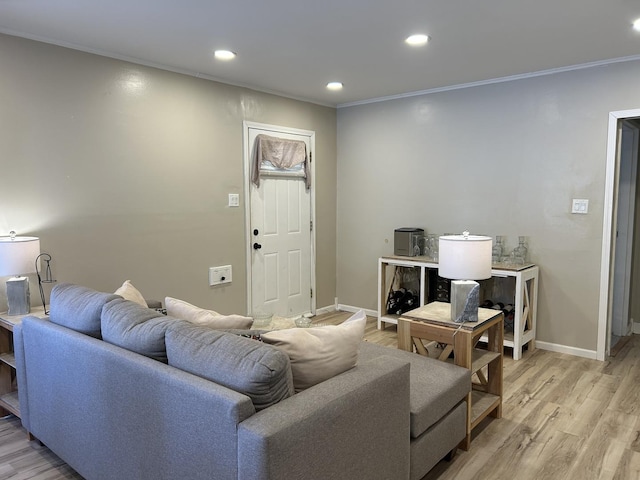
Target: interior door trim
[
  {"x": 246, "y": 125},
  {"x": 608, "y": 224}
]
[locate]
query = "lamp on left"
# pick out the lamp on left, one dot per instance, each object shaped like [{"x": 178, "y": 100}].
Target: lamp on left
[{"x": 17, "y": 258}]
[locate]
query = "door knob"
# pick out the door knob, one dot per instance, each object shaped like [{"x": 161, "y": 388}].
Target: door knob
[{"x": 257, "y": 246}]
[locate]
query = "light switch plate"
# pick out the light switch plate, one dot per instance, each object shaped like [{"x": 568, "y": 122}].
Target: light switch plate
[
  {"x": 580, "y": 205},
  {"x": 234, "y": 200}
]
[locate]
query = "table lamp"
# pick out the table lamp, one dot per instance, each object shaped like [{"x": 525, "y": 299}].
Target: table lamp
[
  {"x": 463, "y": 259},
  {"x": 17, "y": 257}
]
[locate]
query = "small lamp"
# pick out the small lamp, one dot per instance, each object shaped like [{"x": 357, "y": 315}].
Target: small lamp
[
  {"x": 463, "y": 259},
  {"x": 17, "y": 257}
]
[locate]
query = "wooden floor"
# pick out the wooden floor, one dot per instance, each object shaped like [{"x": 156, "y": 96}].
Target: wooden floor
[{"x": 564, "y": 417}]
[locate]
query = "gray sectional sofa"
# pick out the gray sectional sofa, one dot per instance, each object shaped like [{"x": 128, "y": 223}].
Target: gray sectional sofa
[{"x": 99, "y": 387}]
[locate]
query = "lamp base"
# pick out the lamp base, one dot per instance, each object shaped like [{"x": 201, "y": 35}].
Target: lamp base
[
  {"x": 18, "y": 296},
  {"x": 465, "y": 299}
]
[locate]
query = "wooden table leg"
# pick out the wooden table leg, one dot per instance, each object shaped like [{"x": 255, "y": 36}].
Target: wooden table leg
[
  {"x": 462, "y": 350},
  {"x": 404, "y": 335}
]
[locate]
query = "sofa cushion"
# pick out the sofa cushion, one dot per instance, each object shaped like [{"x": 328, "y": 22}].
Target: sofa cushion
[
  {"x": 134, "y": 327},
  {"x": 319, "y": 353},
  {"x": 200, "y": 316},
  {"x": 78, "y": 308},
  {"x": 261, "y": 372},
  {"x": 436, "y": 387},
  {"x": 129, "y": 292}
]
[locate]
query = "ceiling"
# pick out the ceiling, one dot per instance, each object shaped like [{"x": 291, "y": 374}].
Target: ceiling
[{"x": 295, "y": 47}]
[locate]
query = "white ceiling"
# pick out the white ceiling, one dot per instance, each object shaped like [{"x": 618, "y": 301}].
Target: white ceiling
[{"x": 294, "y": 47}]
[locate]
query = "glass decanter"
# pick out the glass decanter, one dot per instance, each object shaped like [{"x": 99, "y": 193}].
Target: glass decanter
[
  {"x": 497, "y": 249},
  {"x": 520, "y": 252}
]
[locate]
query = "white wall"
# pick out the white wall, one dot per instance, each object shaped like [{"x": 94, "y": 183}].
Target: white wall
[{"x": 499, "y": 159}]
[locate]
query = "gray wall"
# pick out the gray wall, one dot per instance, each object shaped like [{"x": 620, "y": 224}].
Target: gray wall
[
  {"x": 123, "y": 171},
  {"x": 500, "y": 159}
]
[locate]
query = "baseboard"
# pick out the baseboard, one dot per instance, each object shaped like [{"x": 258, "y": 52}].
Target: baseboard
[
  {"x": 327, "y": 309},
  {"x": 578, "y": 352},
  {"x": 552, "y": 347},
  {"x": 349, "y": 308},
  {"x": 636, "y": 327}
]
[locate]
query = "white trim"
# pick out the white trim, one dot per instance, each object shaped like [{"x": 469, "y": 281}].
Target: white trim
[
  {"x": 161, "y": 66},
  {"x": 552, "y": 347},
  {"x": 578, "y": 352},
  {"x": 257, "y": 88},
  {"x": 327, "y": 309},
  {"x": 607, "y": 225},
  {"x": 352, "y": 309},
  {"x": 491, "y": 81},
  {"x": 635, "y": 328},
  {"x": 246, "y": 125}
]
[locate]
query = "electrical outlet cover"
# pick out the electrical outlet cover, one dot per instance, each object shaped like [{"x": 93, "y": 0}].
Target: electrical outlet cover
[{"x": 219, "y": 275}]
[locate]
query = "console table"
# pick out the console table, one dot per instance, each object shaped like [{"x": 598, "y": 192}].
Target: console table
[
  {"x": 525, "y": 296},
  {"x": 432, "y": 322},
  {"x": 8, "y": 384}
]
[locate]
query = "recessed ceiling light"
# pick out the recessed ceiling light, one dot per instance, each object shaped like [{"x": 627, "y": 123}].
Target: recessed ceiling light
[
  {"x": 224, "y": 54},
  {"x": 334, "y": 85},
  {"x": 636, "y": 25},
  {"x": 417, "y": 40}
]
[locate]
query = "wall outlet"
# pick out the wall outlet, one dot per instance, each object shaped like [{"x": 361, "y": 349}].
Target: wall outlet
[{"x": 219, "y": 275}]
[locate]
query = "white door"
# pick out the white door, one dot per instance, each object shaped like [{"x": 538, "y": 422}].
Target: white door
[{"x": 280, "y": 234}]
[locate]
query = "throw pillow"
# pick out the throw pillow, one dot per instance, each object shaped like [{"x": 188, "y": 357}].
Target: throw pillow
[
  {"x": 136, "y": 328},
  {"x": 200, "y": 316},
  {"x": 319, "y": 353},
  {"x": 252, "y": 368},
  {"x": 129, "y": 292}
]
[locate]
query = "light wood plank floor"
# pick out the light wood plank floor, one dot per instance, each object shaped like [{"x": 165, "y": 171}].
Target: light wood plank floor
[{"x": 563, "y": 417}]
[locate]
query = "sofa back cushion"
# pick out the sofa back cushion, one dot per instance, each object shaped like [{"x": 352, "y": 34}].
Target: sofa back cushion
[
  {"x": 78, "y": 308},
  {"x": 130, "y": 325},
  {"x": 260, "y": 371}
]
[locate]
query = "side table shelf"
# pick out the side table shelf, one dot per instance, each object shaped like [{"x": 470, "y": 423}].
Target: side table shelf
[{"x": 9, "y": 402}]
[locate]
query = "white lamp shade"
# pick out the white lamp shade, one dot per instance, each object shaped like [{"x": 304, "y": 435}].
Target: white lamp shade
[
  {"x": 465, "y": 257},
  {"x": 18, "y": 255}
]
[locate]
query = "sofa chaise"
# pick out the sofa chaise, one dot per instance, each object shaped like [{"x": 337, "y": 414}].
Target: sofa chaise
[{"x": 140, "y": 412}]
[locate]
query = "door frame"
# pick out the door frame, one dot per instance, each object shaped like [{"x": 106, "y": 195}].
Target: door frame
[
  {"x": 246, "y": 153},
  {"x": 625, "y": 214},
  {"x": 608, "y": 225}
]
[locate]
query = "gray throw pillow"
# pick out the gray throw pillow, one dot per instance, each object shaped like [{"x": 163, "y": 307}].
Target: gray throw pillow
[
  {"x": 134, "y": 327},
  {"x": 78, "y": 308},
  {"x": 260, "y": 371}
]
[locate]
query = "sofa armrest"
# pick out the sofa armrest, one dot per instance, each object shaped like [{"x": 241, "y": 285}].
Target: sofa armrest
[{"x": 355, "y": 425}]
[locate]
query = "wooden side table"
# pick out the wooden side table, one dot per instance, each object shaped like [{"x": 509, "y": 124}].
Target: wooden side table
[
  {"x": 8, "y": 384},
  {"x": 432, "y": 322}
]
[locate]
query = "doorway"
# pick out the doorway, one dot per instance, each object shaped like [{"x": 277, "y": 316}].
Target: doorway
[
  {"x": 620, "y": 212},
  {"x": 279, "y": 233}
]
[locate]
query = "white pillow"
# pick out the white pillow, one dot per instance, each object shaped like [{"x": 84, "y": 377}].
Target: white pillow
[
  {"x": 129, "y": 292},
  {"x": 199, "y": 316},
  {"x": 319, "y": 353}
]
